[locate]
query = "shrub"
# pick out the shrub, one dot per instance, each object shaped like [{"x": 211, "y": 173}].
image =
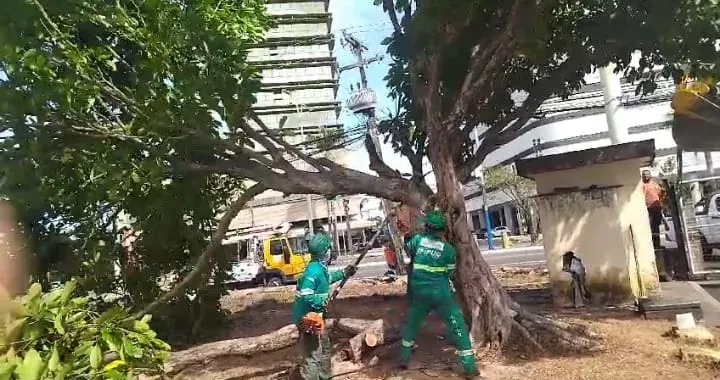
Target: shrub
[{"x": 58, "y": 335}]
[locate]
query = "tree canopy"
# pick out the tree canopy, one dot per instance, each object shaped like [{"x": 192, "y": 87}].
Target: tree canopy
[
  {"x": 101, "y": 103},
  {"x": 466, "y": 63}
]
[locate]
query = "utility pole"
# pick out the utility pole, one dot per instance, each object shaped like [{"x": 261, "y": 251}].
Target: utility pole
[
  {"x": 612, "y": 91},
  {"x": 363, "y": 101}
]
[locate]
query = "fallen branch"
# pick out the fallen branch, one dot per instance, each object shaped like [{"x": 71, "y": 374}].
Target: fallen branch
[
  {"x": 376, "y": 332},
  {"x": 203, "y": 262},
  {"x": 205, "y": 353}
]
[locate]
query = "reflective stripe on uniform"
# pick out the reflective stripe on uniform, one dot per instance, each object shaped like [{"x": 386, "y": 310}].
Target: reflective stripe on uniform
[
  {"x": 405, "y": 343},
  {"x": 466, "y": 353},
  {"x": 428, "y": 268},
  {"x": 310, "y": 292},
  {"x": 451, "y": 266}
]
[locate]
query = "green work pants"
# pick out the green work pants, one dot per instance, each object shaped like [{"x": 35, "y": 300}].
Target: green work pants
[
  {"x": 315, "y": 351},
  {"x": 439, "y": 299}
]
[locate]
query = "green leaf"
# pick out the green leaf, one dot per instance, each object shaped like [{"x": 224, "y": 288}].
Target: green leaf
[
  {"x": 131, "y": 349},
  {"x": 34, "y": 291},
  {"x": 76, "y": 317},
  {"x": 113, "y": 365},
  {"x": 58, "y": 324},
  {"x": 141, "y": 326},
  {"x": 54, "y": 362},
  {"x": 31, "y": 367},
  {"x": 112, "y": 340},
  {"x": 96, "y": 357},
  {"x": 68, "y": 290},
  {"x": 6, "y": 370}
]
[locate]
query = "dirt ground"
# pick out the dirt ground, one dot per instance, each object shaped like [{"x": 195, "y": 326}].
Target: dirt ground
[{"x": 632, "y": 348}]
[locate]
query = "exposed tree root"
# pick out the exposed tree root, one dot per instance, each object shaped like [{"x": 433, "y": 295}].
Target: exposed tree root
[{"x": 538, "y": 330}]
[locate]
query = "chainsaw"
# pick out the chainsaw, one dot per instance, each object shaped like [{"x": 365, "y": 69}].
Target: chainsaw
[{"x": 313, "y": 323}]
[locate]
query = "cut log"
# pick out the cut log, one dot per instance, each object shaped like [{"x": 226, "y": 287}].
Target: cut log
[
  {"x": 273, "y": 341},
  {"x": 375, "y": 334},
  {"x": 350, "y": 326},
  {"x": 204, "y": 353}
]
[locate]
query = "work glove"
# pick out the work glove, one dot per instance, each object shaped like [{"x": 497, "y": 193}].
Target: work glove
[{"x": 350, "y": 270}]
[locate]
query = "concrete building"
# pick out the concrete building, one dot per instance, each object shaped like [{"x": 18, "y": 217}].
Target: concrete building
[
  {"x": 580, "y": 123},
  {"x": 591, "y": 203},
  {"x": 300, "y": 82},
  {"x": 299, "y": 71}
]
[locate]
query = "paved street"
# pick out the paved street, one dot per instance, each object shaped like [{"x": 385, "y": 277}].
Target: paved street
[{"x": 374, "y": 263}]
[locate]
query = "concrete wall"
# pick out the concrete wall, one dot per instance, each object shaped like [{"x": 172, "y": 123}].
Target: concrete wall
[{"x": 606, "y": 228}]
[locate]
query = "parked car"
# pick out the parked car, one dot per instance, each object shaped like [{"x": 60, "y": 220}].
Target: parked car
[{"x": 497, "y": 231}]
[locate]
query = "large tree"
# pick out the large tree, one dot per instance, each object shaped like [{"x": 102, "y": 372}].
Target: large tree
[
  {"x": 463, "y": 63},
  {"x": 162, "y": 90}
]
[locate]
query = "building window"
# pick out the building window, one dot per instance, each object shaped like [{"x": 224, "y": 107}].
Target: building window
[{"x": 476, "y": 222}]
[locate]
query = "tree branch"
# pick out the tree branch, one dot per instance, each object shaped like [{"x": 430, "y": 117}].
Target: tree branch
[
  {"x": 485, "y": 62},
  {"x": 266, "y": 143},
  {"x": 516, "y": 123},
  {"x": 288, "y": 147},
  {"x": 204, "y": 260},
  {"x": 376, "y": 163},
  {"x": 389, "y": 6}
]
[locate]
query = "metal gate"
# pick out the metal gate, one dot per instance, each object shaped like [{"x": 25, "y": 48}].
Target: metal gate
[{"x": 698, "y": 208}]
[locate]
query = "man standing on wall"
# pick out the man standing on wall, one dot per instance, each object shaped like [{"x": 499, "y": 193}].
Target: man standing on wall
[{"x": 654, "y": 195}]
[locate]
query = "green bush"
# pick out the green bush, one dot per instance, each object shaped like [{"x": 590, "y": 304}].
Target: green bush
[{"x": 58, "y": 335}]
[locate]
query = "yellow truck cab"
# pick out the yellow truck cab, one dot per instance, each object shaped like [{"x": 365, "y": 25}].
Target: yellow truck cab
[
  {"x": 284, "y": 260},
  {"x": 280, "y": 259}
]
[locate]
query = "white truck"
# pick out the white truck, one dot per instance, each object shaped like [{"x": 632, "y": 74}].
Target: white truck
[{"x": 704, "y": 225}]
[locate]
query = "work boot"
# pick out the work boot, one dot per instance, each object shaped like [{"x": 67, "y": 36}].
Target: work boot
[
  {"x": 469, "y": 373},
  {"x": 402, "y": 365}
]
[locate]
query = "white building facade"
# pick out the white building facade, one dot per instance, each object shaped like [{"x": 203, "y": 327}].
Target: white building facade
[{"x": 580, "y": 122}]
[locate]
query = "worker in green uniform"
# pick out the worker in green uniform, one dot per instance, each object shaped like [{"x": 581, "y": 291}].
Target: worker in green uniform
[
  {"x": 433, "y": 266},
  {"x": 311, "y": 299}
]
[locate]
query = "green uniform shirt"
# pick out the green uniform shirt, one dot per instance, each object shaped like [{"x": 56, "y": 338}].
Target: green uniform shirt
[
  {"x": 433, "y": 260},
  {"x": 313, "y": 290}
]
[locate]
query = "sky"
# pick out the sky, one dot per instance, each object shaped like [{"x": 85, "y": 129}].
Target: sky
[{"x": 370, "y": 25}]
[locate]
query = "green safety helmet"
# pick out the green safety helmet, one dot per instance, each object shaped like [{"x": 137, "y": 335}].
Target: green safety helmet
[
  {"x": 319, "y": 245},
  {"x": 436, "y": 221}
]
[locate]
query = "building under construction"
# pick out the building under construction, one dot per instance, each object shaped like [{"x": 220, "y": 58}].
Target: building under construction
[{"x": 300, "y": 82}]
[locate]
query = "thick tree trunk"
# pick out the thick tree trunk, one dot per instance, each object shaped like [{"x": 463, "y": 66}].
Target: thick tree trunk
[
  {"x": 484, "y": 301},
  {"x": 490, "y": 312}
]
